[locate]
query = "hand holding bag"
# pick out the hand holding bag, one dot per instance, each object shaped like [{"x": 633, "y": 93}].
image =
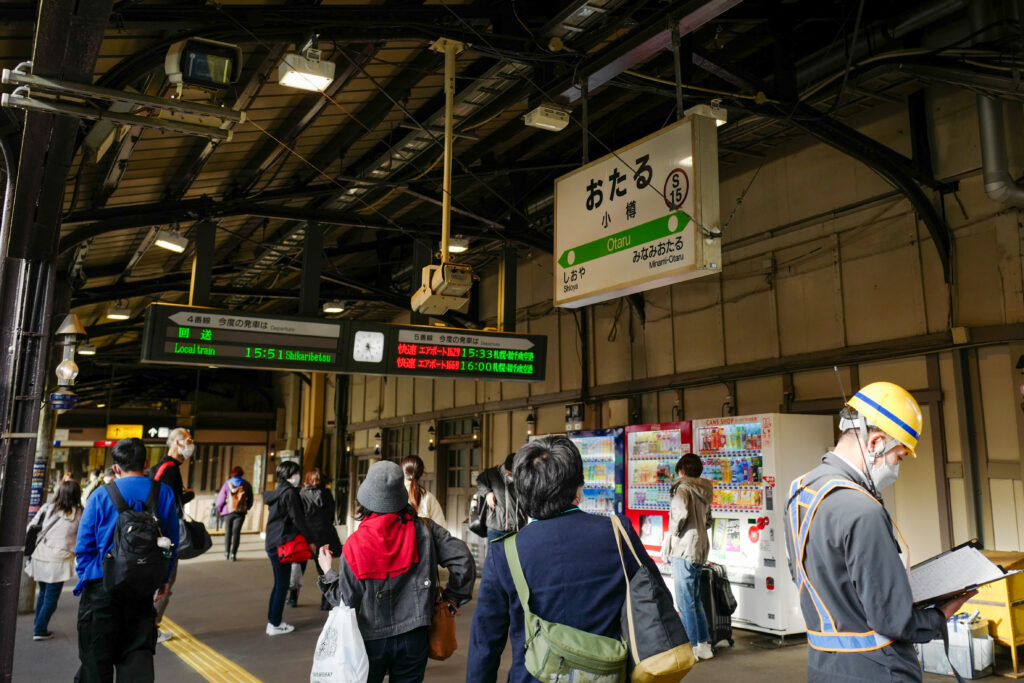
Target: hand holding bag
[
  {"x": 657, "y": 641},
  {"x": 442, "y": 629},
  {"x": 193, "y": 538},
  {"x": 340, "y": 655}
]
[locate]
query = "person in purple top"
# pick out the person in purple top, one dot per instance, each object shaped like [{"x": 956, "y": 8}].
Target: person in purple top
[
  {"x": 117, "y": 633},
  {"x": 233, "y": 501}
]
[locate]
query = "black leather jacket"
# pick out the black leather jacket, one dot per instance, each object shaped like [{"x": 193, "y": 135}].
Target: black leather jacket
[
  {"x": 399, "y": 604},
  {"x": 506, "y": 515}
]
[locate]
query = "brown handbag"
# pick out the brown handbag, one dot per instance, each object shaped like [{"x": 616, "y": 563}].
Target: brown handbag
[{"x": 442, "y": 629}]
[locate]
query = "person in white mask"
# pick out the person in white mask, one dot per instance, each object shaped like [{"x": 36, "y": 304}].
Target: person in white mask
[
  {"x": 843, "y": 553},
  {"x": 180, "y": 447}
]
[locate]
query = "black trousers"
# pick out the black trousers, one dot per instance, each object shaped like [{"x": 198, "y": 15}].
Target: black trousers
[
  {"x": 232, "y": 531},
  {"x": 115, "y": 635},
  {"x": 402, "y": 658}
]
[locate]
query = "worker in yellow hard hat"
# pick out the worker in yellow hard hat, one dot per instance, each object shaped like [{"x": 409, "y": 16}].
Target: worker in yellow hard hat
[{"x": 854, "y": 592}]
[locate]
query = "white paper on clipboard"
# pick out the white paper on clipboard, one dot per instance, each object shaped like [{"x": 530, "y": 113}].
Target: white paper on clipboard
[{"x": 952, "y": 573}]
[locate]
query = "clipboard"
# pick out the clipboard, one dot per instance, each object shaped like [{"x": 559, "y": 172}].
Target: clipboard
[{"x": 956, "y": 572}]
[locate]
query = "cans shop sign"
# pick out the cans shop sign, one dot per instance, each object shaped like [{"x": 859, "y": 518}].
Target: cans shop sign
[{"x": 642, "y": 217}]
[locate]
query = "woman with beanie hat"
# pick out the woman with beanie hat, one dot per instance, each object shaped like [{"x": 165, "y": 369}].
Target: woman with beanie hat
[{"x": 388, "y": 575}]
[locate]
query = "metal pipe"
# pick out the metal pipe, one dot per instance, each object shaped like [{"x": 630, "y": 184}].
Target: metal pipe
[
  {"x": 450, "y": 48},
  {"x": 10, "y": 168},
  {"x": 999, "y": 184}
]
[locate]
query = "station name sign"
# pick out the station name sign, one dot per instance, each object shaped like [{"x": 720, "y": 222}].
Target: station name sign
[{"x": 187, "y": 335}]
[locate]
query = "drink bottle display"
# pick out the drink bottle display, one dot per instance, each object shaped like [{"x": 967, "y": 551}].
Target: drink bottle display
[{"x": 602, "y": 451}]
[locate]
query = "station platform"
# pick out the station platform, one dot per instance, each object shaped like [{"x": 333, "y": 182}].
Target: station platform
[{"x": 218, "y": 615}]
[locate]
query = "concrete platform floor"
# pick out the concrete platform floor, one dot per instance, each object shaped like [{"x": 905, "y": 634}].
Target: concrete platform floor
[{"x": 224, "y": 604}]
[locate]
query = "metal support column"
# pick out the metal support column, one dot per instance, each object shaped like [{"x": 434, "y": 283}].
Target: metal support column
[
  {"x": 312, "y": 265},
  {"x": 66, "y": 43},
  {"x": 585, "y": 119},
  {"x": 450, "y": 48},
  {"x": 202, "y": 264},
  {"x": 677, "y": 63},
  {"x": 507, "y": 289}
]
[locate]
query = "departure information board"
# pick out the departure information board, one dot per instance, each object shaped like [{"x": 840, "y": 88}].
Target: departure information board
[{"x": 185, "y": 335}]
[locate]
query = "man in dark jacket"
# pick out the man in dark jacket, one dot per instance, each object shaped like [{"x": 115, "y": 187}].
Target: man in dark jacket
[
  {"x": 496, "y": 487},
  {"x": 569, "y": 558},
  {"x": 180, "y": 448}
]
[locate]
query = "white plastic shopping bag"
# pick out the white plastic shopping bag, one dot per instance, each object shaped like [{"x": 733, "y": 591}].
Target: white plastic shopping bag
[{"x": 340, "y": 655}]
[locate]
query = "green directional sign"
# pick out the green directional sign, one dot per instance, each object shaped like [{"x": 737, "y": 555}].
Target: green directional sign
[{"x": 665, "y": 226}]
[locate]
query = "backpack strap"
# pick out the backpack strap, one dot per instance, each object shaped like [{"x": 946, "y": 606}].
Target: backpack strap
[
  {"x": 154, "y": 496},
  {"x": 516, "y": 569},
  {"x": 160, "y": 471},
  {"x": 115, "y": 497}
]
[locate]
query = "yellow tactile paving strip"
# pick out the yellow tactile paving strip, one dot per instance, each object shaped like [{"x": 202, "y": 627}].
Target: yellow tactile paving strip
[{"x": 209, "y": 663}]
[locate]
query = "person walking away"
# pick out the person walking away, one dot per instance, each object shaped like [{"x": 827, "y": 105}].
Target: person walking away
[
  {"x": 117, "y": 630},
  {"x": 180, "y": 448},
  {"x": 422, "y": 500},
  {"x": 106, "y": 478},
  {"x": 318, "y": 506},
  {"x": 686, "y": 548},
  {"x": 233, "y": 502},
  {"x": 843, "y": 556},
  {"x": 53, "y": 560},
  {"x": 569, "y": 558},
  {"x": 496, "y": 486},
  {"x": 388, "y": 575},
  {"x": 285, "y": 520},
  {"x": 94, "y": 482}
]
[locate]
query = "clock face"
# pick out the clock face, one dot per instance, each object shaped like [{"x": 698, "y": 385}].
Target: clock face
[{"x": 368, "y": 347}]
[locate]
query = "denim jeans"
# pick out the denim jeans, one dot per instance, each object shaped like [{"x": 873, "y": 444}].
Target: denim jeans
[
  {"x": 46, "y": 604},
  {"x": 402, "y": 658},
  {"x": 686, "y": 577},
  {"x": 493, "y": 534},
  {"x": 282, "y": 572}
]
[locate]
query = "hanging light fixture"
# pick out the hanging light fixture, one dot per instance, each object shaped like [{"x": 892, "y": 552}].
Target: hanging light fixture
[
  {"x": 119, "y": 311},
  {"x": 306, "y": 71},
  {"x": 86, "y": 350},
  {"x": 430, "y": 437},
  {"x": 376, "y": 447},
  {"x": 171, "y": 241},
  {"x": 476, "y": 429},
  {"x": 334, "y": 306},
  {"x": 531, "y": 424}
]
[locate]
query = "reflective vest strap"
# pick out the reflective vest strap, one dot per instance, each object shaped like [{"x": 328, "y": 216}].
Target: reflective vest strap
[{"x": 847, "y": 642}]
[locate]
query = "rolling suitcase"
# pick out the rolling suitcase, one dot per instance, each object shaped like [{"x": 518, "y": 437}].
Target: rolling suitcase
[{"x": 713, "y": 585}]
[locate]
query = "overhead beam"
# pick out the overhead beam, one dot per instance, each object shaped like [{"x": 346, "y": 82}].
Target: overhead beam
[
  {"x": 642, "y": 43},
  {"x": 298, "y": 121}
]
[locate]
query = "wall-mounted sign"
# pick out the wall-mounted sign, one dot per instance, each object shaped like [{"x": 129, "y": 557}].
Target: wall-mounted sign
[
  {"x": 642, "y": 217},
  {"x": 183, "y": 335},
  {"x": 118, "y": 432},
  {"x": 575, "y": 414}
]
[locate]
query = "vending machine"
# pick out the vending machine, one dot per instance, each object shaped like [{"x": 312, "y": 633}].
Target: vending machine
[
  {"x": 603, "y": 452},
  {"x": 652, "y": 452},
  {"x": 751, "y": 461}
]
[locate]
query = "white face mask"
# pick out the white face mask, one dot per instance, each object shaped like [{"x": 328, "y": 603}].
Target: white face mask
[
  {"x": 187, "y": 450},
  {"x": 294, "y": 480},
  {"x": 883, "y": 474}
]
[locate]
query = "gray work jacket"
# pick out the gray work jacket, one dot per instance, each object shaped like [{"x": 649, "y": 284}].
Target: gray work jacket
[
  {"x": 852, "y": 560},
  {"x": 399, "y": 604}
]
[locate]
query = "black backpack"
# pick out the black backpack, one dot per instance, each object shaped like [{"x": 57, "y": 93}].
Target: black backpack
[{"x": 135, "y": 566}]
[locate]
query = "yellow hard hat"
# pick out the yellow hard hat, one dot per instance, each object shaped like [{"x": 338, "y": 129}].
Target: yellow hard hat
[{"x": 892, "y": 409}]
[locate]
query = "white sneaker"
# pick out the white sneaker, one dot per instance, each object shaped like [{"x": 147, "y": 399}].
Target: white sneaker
[
  {"x": 703, "y": 651},
  {"x": 163, "y": 636},
  {"x": 279, "y": 629}
]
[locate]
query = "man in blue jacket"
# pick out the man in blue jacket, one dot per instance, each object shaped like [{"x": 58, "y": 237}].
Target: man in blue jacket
[
  {"x": 569, "y": 558},
  {"x": 116, "y": 633}
]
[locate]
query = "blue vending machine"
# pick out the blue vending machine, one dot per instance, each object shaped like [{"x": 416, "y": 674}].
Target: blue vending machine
[{"x": 603, "y": 452}]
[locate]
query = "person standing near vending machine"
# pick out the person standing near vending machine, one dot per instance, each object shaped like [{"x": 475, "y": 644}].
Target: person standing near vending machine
[
  {"x": 686, "y": 546},
  {"x": 843, "y": 555}
]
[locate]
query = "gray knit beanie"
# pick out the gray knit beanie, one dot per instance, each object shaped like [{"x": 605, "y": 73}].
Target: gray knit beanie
[{"x": 383, "y": 490}]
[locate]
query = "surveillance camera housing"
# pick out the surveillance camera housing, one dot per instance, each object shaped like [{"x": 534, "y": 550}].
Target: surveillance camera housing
[{"x": 203, "y": 63}]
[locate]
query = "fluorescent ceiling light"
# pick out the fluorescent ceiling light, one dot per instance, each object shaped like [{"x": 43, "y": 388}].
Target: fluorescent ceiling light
[
  {"x": 334, "y": 306},
  {"x": 172, "y": 241},
  {"x": 458, "y": 244},
  {"x": 305, "y": 71},
  {"x": 118, "y": 312},
  {"x": 86, "y": 350}
]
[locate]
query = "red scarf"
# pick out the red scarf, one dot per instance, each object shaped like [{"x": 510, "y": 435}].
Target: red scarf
[{"x": 382, "y": 546}]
